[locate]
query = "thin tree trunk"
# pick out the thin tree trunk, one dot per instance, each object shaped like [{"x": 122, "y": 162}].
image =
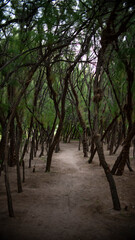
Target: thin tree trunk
[
  {"x": 119, "y": 164},
  {"x": 49, "y": 158},
  {"x": 9, "y": 197},
  {"x": 27, "y": 140},
  {"x": 42, "y": 148},
  {"x": 115, "y": 199},
  {"x": 112, "y": 142},
  {"x": 31, "y": 152},
  {"x": 12, "y": 156},
  {"x": 133, "y": 147},
  {"x": 82, "y": 122},
  {"x": 92, "y": 151},
  {"x": 119, "y": 138},
  {"x": 129, "y": 165},
  {"x": 79, "y": 145},
  {"x": 57, "y": 147},
  {"x": 23, "y": 166},
  {"x": 19, "y": 183},
  {"x": 18, "y": 143},
  {"x": 100, "y": 151},
  {"x": 102, "y": 138}
]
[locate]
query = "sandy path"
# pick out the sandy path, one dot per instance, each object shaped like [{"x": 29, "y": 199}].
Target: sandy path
[{"x": 71, "y": 203}]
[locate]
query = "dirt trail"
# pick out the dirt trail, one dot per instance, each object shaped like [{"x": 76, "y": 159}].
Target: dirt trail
[{"x": 72, "y": 202}]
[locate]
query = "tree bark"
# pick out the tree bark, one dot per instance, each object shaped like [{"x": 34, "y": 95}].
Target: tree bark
[
  {"x": 27, "y": 140},
  {"x": 12, "y": 155},
  {"x": 9, "y": 197},
  {"x": 82, "y": 122},
  {"x": 119, "y": 164},
  {"x": 115, "y": 199},
  {"x": 97, "y": 99},
  {"x": 18, "y": 143},
  {"x": 112, "y": 140},
  {"x": 102, "y": 138}
]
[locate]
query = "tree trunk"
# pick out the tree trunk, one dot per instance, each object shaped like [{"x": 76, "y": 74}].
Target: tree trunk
[
  {"x": 123, "y": 157},
  {"x": 31, "y": 152},
  {"x": 9, "y": 198},
  {"x": 18, "y": 143},
  {"x": 133, "y": 147},
  {"x": 102, "y": 138},
  {"x": 112, "y": 141},
  {"x": 84, "y": 142},
  {"x": 12, "y": 155},
  {"x": 19, "y": 183},
  {"x": 2, "y": 147},
  {"x": 115, "y": 199},
  {"x": 57, "y": 147},
  {"x": 82, "y": 122},
  {"x": 53, "y": 144},
  {"x": 119, "y": 137},
  {"x": 92, "y": 150},
  {"x": 42, "y": 149},
  {"x": 27, "y": 140},
  {"x": 49, "y": 158},
  {"x": 23, "y": 166},
  {"x": 79, "y": 145}
]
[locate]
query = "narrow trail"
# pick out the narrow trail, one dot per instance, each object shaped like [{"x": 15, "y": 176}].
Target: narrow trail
[{"x": 72, "y": 202}]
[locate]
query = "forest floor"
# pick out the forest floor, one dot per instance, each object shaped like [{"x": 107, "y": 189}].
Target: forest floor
[{"x": 72, "y": 202}]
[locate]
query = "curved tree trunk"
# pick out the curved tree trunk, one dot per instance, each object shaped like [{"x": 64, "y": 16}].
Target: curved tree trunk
[
  {"x": 52, "y": 146},
  {"x": 102, "y": 138},
  {"x": 12, "y": 155},
  {"x": 123, "y": 157},
  {"x": 98, "y": 94},
  {"x": 18, "y": 143},
  {"x": 115, "y": 199},
  {"x": 49, "y": 158},
  {"x": 9, "y": 197},
  {"x": 82, "y": 122}
]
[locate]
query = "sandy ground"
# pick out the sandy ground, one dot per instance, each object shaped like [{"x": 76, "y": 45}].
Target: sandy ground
[{"x": 72, "y": 202}]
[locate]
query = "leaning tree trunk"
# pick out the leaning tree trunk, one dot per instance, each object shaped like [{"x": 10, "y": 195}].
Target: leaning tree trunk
[
  {"x": 102, "y": 138},
  {"x": 12, "y": 155},
  {"x": 113, "y": 138},
  {"x": 9, "y": 197},
  {"x": 82, "y": 122},
  {"x": 18, "y": 143},
  {"x": 123, "y": 157},
  {"x": 52, "y": 146},
  {"x": 7, "y": 183},
  {"x": 31, "y": 151},
  {"x": 115, "y": 199},
  {"x": 2, "y": 146},
  {"x": 98, "y": 94},
  {"x": 133, "y": 142},
  {"x": 49, "y": 158},
  {"x": 100, "y": 151},
  {"x": 27, "y": 140}
]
